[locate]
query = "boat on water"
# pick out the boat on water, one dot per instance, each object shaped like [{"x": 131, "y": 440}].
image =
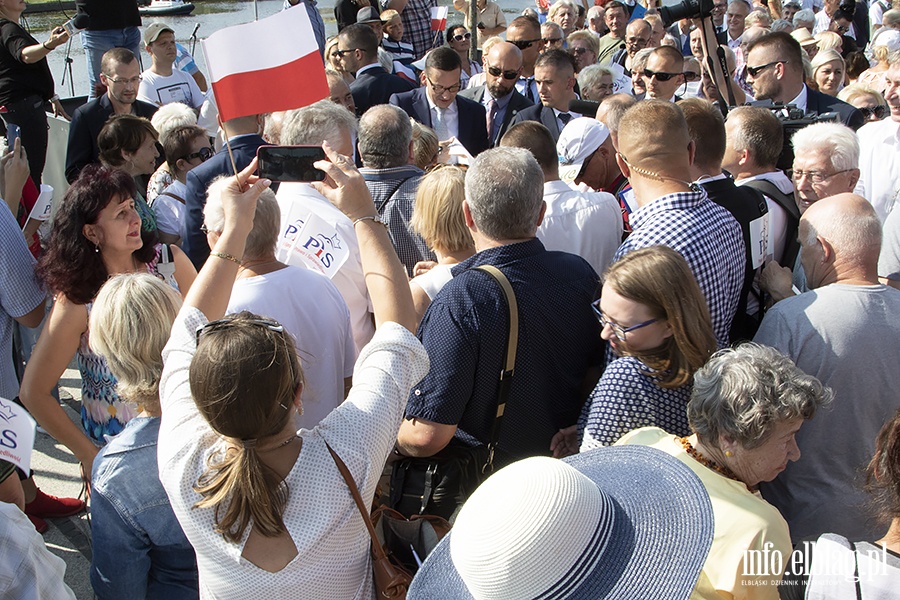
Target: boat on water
[{"x": 160, "y": 8}]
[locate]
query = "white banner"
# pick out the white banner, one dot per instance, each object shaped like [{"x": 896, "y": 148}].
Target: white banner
[{"x": 16, "y": 434}]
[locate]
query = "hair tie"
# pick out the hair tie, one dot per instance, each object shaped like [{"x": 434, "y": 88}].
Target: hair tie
[{"x": 249, "y": 443}]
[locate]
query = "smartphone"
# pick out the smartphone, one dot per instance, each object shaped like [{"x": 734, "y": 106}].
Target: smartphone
[
  {"x": 290, "y": 163},
  {"x": 12, "y": 134},
  {"x": 69, "y": 26}
]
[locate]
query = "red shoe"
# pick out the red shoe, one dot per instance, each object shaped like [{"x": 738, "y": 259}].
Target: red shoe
[
  {"x": 39, "y": 524},
  {"x": 45, "y": 505}
]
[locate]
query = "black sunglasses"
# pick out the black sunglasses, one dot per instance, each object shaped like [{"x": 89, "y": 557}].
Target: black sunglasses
[
  {"x": 523, "y": 44},
  {"x": 496, "y": 72},
  {"x": 459, "y": 38},
  {"x": 551, "y": 40},
  {"x": 204, "y": 154},
  {"x": 660, "y": 76},
  {"x": 269, "y": 324},
  {"x": 691, "y": 76},
  {"x": 754, "y": 71},
  {"x": 340, "y": 52},
  {"x": 879, "y": 111}
]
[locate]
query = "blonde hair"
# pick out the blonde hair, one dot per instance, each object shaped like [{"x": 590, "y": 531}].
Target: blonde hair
[
  {"x": 858, "y": 90},
  {"x": 438, "y": 212},
  {"x": 587, "y": 37},
  {"x": 130, "y": 323},
  {"x": 425, "y": 145},
  {"x": 387, "y": 15},
  {"x": 660, "y": 279},
  {"x": 828, "y": 40}
]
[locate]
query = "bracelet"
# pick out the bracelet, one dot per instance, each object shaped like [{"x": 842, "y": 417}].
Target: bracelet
[
  {"x": 46, "y": 47},
  {"x": 373, "y": 218},
  {"x": 226, "y": 257}
]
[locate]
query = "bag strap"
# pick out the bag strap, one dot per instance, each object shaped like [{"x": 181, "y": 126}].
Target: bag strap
[
  {"x": 377, "y": 548},
  {"x": 792, "y": 246},
  {"x": 509, "y": 366}
]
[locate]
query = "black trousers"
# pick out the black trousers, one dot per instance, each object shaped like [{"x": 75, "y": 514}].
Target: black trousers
[{"x": 31, "y": 118}]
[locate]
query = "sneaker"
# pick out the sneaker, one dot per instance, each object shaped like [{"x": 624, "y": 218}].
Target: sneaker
[
  {"x": 45, "y": 505},
  {"x": 39, "y": 524}
]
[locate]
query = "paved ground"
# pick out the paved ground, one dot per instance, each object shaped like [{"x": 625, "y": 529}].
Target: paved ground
[{"x": 56, "y": 472}]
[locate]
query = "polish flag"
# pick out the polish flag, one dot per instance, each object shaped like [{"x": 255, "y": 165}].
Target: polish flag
[
  {"x": 265, "y": 66},
  {"x": 439, "y": 18}
]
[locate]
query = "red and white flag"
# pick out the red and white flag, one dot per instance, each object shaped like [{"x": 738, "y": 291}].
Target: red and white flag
[
  {"x": 439, "y": 18},
  {"x": 265, "y": 66}
]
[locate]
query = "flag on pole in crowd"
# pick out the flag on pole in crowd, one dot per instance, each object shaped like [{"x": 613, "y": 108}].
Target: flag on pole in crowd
[
  {"x": 439, "y": 18},
  {"x": 265, "y": 66}
]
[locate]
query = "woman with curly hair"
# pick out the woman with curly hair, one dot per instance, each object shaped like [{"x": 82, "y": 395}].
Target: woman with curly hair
[{"x": 96, "y": 234}]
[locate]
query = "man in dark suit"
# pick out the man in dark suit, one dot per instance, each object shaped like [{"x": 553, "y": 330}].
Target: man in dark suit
[
  {"x": 438, "y": 103},
  {"x": 120, "y": 72},
  {"x": 554, "y": 73},
  {"x": 775, "y": 70},
  {"x": 243, "y": 135},
  {"x": 357, "y": 50},
  {"x": 498, "y": 95}
]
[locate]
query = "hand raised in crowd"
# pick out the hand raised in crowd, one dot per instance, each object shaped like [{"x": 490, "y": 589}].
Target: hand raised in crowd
[
  {"x": 777, "y": 281},
  {"x": 239, "y": 199},
  {"x": 344, "y": 186},
  {"x": 14, "y": 173}
]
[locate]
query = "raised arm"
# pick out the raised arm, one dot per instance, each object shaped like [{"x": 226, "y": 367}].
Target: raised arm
[{"x": 386, "y": 277}]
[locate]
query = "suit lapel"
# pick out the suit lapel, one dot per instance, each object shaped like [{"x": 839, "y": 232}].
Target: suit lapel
[{"x": 420, "y": 106}]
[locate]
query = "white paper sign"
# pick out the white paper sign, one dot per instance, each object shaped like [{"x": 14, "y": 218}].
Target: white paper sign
[
  {"x": 621, "y": 79},
  {"x": 317, "y": 246},
  {"x": 16, "y": 434},
  {"x": 759, "y": 240},
  {"x": 41, "y": 209}
]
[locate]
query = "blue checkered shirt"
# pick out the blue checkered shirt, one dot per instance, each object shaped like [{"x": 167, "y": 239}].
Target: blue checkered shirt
[{"x": 709, "y": 239}]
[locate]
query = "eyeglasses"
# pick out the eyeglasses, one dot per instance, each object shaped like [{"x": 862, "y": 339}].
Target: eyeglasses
[
  {"x": 553, "y": 41},
  {"x": 691, "y": 76},
  {"x": 204, "y": 154},
  {"x": 659, "y": 76},
  {"x": 620, "y": 332},
  {"x": 460, "y": 38},
  {"x": 497, "y": 72},
  {"x": 754, "y": 71},
  {"x": 579, "y": 51},
  {"x": 269, "y": 324},
  {"x": 879, "y": 112},
  {"x": 439, "y": 89},
  {"x": 523, "y": 44},
  {"x": 340, "y": 53},
  {"x": 633, "y": 41},
  {"x": 815, "y": 176},
  {"x": 132, "y": 81},
  {"x": 842, "y": 28}
]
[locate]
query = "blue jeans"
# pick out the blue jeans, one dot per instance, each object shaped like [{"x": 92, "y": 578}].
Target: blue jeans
[{"x": 96, "y": 43}]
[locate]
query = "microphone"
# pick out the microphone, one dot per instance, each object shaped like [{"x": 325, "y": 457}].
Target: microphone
[
  {"x": 81, "y": 21},
  {"x": 196, "y": 29},
  {"x": 588, "y": 108}
]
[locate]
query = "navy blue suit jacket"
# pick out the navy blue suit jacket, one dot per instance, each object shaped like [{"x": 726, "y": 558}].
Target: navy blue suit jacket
[
  {"x": 541, "y": 114},
  {"x": 87, "y": 121},
  {"x": 375, "y": 86},
  {"x": 517, "y": 103},
  {"x": 472, "y": 118},
  {"x": 193, "y": 241},
  {"x": 819, "y": 103}
]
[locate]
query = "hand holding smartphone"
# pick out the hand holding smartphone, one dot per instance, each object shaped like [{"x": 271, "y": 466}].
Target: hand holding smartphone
[
  {"x": 290, "y": 163},
  {"x": 13, "y": 132}
]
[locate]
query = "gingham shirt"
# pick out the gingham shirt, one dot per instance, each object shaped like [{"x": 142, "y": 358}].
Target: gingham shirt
[
  {"x": 27, "y": 569},
  {"x": 708, "y": 238},
  {"x": 417, "y": 31}
]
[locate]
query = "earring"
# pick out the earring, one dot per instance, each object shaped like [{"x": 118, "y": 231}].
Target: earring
[
  {"x": 96, "y": 247},
  {"x": 729, "y": 453}
]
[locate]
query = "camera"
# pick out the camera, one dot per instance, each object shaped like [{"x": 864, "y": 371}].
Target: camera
[
  {"x": 793, "y": 119},
  {"x": 687, "y": 9}
]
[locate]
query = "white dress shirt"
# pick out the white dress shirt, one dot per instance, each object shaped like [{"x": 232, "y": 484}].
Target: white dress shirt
[
  {"x": 879, "y": 165},
  {"x": 450, "y": 116}
]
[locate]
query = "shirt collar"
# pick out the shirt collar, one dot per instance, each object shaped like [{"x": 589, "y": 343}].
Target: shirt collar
[
  {"x": 369, "y": 67},
  {"x": 678, "y": 200},
  {"x": 450, "y": 110},
  {"x": 802, "y": 98},
  {"x": 707, "y": 178},
  {"x": 500, "y": 255},
  {"x": 501, "y": 102}
]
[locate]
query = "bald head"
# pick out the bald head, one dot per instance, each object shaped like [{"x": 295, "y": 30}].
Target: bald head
[
  {"x": 506, "y": 53},
  {"x": 507, "y": 58},
  {"x": 840, "y": 239},
  {"x": 653, "y": 135}
]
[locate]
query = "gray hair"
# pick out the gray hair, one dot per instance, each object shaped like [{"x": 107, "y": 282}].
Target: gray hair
[
  {"x": 311, "y": 124},
  {"x": 593, "y": 12},
  {"x": 591, "y": 74},
  {"x": 505, "y": 193},
  {"x": 640, "y": 58},
  {"x": 835, "y": 139},
  {"x": 171, "y": 116},
  {"x": 742, "y": 393},
  {"x": 782, "y": 25},
  {"x": 384, "y": 137},
  {"x": 266, "y": 223},
  {"x": 890, "y": 17},
  {"x": 547, "y": 26},
  {"x": 803, "y": 18}
]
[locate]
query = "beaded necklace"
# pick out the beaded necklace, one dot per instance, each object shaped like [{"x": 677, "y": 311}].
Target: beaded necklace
[{"x": 696, "y": 455}]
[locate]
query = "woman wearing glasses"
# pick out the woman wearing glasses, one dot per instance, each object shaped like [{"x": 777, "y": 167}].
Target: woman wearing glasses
[
  {"x": 459, "y": 39},
  {"x": 871, "y": 103},
  {"x": 262, "y": 503},
  {"x": 185, "y": 148},
  {"x": 655, "y": 318},
  {"x": 97, "y": 234}
]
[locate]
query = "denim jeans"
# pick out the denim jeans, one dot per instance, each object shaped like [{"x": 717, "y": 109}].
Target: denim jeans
[{"x": 96, "y": 43}]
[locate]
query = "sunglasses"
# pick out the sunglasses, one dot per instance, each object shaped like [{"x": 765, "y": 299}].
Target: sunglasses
[
  {"x": 660, "y": 76},
  {"x": 497, "y": 72},
  {"x": 459, "y": 38},
  {"x": 523, "y": 44},
  {"x": 754, "y": 71},
  {"x": 879, "y": 111},
  {"x": 204, "y": 154},
  {"x": 691, "y": 76},
  {"x": 551, "y": 40},
  {"x": 341, "y": 53},
  {"x": 274, "y": 326},
  {"x": 579, "y": 51}
]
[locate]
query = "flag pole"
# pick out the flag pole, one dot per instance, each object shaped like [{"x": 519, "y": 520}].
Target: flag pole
[{"x": 237, "y": 174}]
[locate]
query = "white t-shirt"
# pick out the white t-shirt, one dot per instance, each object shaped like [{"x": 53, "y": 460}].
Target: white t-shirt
[
  {"x": 433, "y": 280},
  {"x": 296, "y": 200},
  {"x": 177, "y": 87},
  {"x": 308, "y": 305},
  {"x": 169, "y": 211}
]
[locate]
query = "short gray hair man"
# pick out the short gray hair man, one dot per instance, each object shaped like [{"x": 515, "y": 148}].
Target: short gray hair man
[
  {"x": 505, "y": 194},
  {"x": 385, "y": 136},
  {"x": 264, "y": 235},
  {"x": 323, "y": 120}
]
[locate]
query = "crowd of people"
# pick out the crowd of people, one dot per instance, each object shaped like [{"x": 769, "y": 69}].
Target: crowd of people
[{"x": 645, "y": 274}]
